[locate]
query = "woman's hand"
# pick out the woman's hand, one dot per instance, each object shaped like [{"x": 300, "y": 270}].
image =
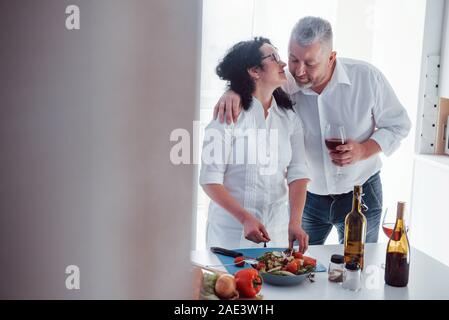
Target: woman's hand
[
  {"x": 254, "y": 230},
  {"x": 297, "y": 196},
  {"x": 296, "y": 232},
  {"x": 229, "y": 103}
]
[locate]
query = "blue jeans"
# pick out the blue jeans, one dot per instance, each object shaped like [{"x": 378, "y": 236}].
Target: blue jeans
[{"x": 323, "y": 212}]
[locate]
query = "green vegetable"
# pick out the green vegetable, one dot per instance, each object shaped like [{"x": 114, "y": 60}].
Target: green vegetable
[
  {"x": 281, "y": 273},
  {"x": 208, "y": 288},
  {"x": 286, "y": 273},
  {"x": 274, "y": 269}
]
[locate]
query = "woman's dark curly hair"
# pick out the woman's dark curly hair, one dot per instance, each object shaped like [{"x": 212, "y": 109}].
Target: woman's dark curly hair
[{"x": 233, "y": 68}]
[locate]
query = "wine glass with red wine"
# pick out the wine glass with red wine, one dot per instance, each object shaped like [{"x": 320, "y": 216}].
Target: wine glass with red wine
[
  {"x": 389, "y": 221},
  {"x": 334, "y": 136}
]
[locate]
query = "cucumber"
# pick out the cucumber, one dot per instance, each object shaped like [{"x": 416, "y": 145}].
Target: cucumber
[{"x": 274, "y": 269}]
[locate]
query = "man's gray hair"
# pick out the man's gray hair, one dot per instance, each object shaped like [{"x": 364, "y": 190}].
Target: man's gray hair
[{"x": 311, "y": 29}]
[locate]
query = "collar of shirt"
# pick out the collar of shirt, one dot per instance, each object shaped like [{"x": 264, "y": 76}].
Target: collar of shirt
[
  {"x": 338, "y": 77},
  {"x": 258, "y": 107}
]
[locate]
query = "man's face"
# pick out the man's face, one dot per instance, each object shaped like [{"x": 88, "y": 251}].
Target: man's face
[{"x": 311, "y": 65}]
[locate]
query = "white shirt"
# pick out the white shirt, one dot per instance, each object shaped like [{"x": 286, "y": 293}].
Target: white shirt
[
  {"x": 261, "y": 192},
  {"x": 359, "y": 97}
]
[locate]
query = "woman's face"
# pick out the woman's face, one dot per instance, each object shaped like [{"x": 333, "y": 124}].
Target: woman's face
[{"x": 273, "y": 73}]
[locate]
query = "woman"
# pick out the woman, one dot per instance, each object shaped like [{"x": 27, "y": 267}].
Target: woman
[{"x": 246, "y": 166}]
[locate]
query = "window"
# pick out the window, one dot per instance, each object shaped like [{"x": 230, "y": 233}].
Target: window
[{"x": 387, "y": 34}]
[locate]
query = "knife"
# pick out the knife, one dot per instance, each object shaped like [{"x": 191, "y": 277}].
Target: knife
[{"x": 226, "y": 252}]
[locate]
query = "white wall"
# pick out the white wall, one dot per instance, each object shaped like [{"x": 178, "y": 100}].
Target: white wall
[{"x": 85, "y": 121}]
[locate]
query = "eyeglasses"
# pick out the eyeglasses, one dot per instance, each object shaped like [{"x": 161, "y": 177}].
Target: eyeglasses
[{"x": 275, "y": 56}]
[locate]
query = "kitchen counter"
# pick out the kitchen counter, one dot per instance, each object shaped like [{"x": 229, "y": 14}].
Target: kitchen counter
[{"x": 428, "y": 279}]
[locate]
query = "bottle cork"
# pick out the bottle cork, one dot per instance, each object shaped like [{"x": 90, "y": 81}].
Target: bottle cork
[{"x": 400, "y": 210}]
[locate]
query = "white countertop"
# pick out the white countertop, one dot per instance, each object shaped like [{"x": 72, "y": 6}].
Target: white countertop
[{"x": 428, "y": 279}]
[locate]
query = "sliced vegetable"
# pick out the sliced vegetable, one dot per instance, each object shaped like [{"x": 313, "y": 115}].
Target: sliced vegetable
[
  {"x": 293, "y": 262},
  {"x": 309, "y": 261},
  {"x": 297, "y": 255},
  {"x": 286, "y": 273},
  {"x": 275, "y": 269},
  {"x": 239, "y": 261},
  {"x": 292, "y": 267},
  {"x": 282, "y": 273},
  {"x": 260, "y": 266}
]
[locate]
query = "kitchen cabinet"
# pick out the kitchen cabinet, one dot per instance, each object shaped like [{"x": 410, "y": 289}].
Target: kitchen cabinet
[
  {"x": 430, "y": 210},
  {"x": 430, "y": 86},
  {"x": 443, "y": 83},
  {"x": 444, "y": 72}
]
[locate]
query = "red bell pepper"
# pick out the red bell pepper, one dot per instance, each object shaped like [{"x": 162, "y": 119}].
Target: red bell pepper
[{"x": 248, "y": 282}]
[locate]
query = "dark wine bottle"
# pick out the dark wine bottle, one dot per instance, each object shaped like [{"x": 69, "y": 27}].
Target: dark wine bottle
[{"x": 397, "y": 262}]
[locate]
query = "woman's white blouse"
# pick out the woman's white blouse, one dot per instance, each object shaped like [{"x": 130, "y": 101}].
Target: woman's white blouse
[{"x": 254, "y": 159}]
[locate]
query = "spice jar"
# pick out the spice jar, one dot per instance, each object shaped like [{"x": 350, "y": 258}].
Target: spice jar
[
  {"x": 336, "y": 268},
  {"x": 352, "y": 277}
]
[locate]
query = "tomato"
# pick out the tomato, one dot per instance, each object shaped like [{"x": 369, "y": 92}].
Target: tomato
[
  {"x": 248, "y": 282},
  {"x": 299, "y": 262},
  {"x": 239, "y": 261},
  {"x": 292, "y": 267},
  {"x": 308, "y": 261},
  {"x": 260, "y": 265},
  {"x": 297, "y": 255}
]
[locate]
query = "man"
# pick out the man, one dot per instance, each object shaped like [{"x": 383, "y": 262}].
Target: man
[{"x": 350, "y": 93}]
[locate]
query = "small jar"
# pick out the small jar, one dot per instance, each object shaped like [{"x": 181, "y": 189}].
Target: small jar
[
  {"x": 336, "y": 268},
  {"x": 352, "y": 277}
]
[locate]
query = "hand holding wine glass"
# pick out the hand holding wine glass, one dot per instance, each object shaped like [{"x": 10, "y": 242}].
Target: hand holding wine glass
[{"x": 334, "y": 136}]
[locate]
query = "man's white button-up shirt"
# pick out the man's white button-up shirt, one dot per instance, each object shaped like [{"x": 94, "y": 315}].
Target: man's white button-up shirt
[{"x": 359, "y": 97}]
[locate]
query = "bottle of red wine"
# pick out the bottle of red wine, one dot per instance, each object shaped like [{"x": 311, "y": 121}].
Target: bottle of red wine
[{"x": 398, "y": 253}]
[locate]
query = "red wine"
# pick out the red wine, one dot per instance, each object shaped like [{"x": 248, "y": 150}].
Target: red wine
[
  {"x": 397, "y": 262},
  {"x": 388, "y": 229},
  {"x": 333, "y": 143},
  {"x": 397, "y": 269}
]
